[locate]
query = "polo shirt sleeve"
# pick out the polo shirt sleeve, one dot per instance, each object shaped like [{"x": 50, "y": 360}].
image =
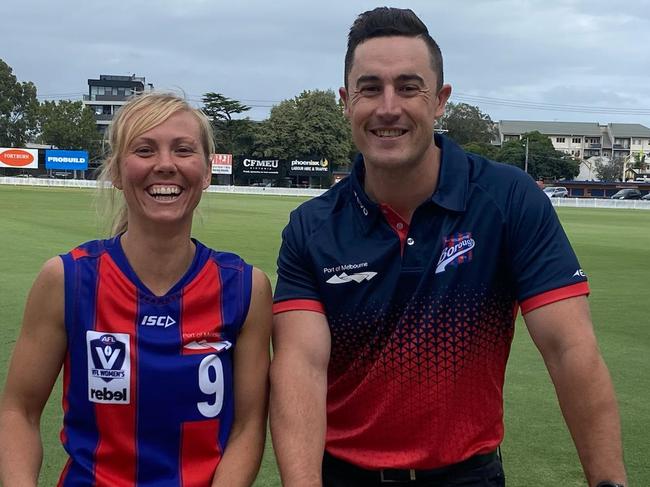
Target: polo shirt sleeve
[
  {"x": 544, "y": 267},
  {"x": 296, "y": 288}
]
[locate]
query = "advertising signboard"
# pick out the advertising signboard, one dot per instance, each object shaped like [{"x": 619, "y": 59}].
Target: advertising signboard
[
  {"x": 268, "y": 168},
  {"x": 66, "y": 159},
  {"x": 221, "y": 163},
  {"x": 309, "y": 167},
  {"x": 19, "y": 158}
]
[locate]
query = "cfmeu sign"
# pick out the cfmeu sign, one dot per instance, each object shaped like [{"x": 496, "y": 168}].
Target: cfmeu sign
[{"x": 19, "y": 158}]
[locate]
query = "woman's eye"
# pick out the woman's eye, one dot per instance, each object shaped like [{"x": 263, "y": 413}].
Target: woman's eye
[
  {"x": 185, "y": 150},
  {"x": 143, "y": 151}
]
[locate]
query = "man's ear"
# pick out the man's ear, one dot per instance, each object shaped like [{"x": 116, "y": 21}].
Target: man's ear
[
  {"x": 343, "y": 93},
  {"x": 441, "y": 98}
]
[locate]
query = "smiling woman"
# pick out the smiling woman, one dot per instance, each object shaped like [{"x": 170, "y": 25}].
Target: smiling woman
[
  {"x": 164, "y": 342},
  {"x": 129, "y": 136}
]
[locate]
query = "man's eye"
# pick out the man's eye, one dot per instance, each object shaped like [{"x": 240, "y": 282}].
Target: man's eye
[
  {"x": 369, "y": 90},
  {"x": 409, "y": 90}
]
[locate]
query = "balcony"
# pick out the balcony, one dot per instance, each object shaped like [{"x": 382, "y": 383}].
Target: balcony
[
  {"x": 119, "y": 98},
  {"x": 593, "y": 146}
]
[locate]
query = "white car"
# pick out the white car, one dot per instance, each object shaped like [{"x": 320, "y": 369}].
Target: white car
[{"x": 556, "y": 192}]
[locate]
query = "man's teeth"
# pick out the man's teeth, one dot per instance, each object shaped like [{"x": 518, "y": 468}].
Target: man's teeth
[{"x": 389, "y": 132}]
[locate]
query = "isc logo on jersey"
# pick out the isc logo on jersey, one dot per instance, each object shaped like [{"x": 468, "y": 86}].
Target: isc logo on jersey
[
  {"x": 152, "y": 320},
  {"x": 109, "y": 367}
]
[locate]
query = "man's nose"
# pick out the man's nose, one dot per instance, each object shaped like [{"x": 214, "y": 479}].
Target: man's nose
[{"x": 390, "y": 103}]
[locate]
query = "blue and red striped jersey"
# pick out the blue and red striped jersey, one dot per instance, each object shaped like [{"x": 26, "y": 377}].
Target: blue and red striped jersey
[
  {"x": 148, "y": 380},
  {"x": 421, "y": 312}
]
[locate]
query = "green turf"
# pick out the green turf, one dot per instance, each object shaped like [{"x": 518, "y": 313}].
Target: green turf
[{"x": 613, "y": 247}]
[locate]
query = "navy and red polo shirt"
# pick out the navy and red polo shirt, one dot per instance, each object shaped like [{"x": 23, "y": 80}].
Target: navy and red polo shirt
[{"x": 422, "y": 315}]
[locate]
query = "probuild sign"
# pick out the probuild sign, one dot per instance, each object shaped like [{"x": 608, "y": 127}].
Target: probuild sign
[
  {"x": 260, "y": 167},
  {"x": 66, "y": 159},
  {"x": 309, "y": 167}
]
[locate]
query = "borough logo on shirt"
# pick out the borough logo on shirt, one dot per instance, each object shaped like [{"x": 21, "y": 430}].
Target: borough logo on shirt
[
  {"x": 456, "y": 250},
  {"x": 109, "y": 367}
]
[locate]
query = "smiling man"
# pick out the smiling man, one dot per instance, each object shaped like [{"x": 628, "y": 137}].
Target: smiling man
[{"x": 396, "y": 290}]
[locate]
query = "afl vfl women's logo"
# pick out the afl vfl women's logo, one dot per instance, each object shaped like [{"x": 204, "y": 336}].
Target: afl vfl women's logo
[{"x": 109, "y": 367}]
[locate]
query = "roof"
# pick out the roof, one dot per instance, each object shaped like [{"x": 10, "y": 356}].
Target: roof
[
  {"x": 629, "y": 130},
  {"x": 518, "y": 127}
]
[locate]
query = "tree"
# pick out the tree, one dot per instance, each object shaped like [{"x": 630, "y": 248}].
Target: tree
[
  {"x": 68, "y": 125},
  {"x": 544, "y": 162},
  {"x": 484, "y": 149},
  {"x": 18, "y": 109},
  {"x": 232, "y": 135},
  {"x": 637, "y": 162},
  {"x": 311, "y": 124},
  {"x": 607, "y": 170},
  {"x": 466, "y": 123}
]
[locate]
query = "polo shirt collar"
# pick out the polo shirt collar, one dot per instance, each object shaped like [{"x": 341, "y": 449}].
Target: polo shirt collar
[{"x": 451, "y": 193}]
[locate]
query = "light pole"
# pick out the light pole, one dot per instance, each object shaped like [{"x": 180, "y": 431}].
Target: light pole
[{"x": 526, "y": 160}]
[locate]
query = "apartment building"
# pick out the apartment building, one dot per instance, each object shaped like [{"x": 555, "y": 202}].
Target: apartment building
[
  {"x": 583, "y": 140},
  {"x": 108, "y": 93}
]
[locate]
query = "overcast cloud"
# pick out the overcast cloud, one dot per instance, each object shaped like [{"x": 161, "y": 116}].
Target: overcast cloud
[{"x": 515, "y": 59}]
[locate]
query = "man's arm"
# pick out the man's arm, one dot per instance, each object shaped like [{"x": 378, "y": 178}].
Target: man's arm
[
  {"x": 564, "y": 335},
  {"x": 301, "y": 350},
  {"x": 243, "y": 453}
]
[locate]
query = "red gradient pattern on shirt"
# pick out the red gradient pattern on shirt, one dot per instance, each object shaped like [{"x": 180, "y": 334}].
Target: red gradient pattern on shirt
[{"x": 430, "y": 371}]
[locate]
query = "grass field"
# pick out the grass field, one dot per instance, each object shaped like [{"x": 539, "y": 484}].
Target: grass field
[{"x": 613, "y": 247}]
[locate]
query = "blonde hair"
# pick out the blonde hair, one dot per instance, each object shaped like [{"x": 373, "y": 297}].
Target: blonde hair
[{"x": 139, "y": 115}]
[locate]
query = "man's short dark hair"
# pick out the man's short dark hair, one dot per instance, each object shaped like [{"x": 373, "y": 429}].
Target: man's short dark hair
[{"x": 389, "y": 21}]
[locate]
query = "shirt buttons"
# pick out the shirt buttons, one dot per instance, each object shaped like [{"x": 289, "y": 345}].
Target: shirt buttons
[
  {"x": 399, "y": 225},
  {"x": 410, "y": 241}
]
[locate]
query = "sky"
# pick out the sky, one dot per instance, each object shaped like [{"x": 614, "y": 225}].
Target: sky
[{"x": 562, "y": 60}]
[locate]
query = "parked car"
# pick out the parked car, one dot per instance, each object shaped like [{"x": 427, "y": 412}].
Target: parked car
[
  {"x": 646, "y": 196},
  {"x": 627, "y": 194},
  {"x": 556, "y": 192}
]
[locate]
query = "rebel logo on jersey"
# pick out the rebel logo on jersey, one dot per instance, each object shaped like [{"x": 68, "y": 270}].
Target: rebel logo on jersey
[{"x": 109, "y": 367}]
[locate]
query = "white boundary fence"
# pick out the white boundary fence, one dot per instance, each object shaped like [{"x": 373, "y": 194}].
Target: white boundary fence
[
  {"x": 81, "y": 183},
  {"x": 601, "y": 203},
  {"x": 89, "y": 183}
]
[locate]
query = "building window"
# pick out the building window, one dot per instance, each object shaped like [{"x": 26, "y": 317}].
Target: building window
[
  {"x": 636, "y": 142},
  {"x": 576, "y": 140},
  {"x": 560, "y": 140}
]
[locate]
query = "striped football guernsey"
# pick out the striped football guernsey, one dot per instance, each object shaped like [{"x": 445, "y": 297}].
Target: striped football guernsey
[{"x": 148, "y": 380}]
